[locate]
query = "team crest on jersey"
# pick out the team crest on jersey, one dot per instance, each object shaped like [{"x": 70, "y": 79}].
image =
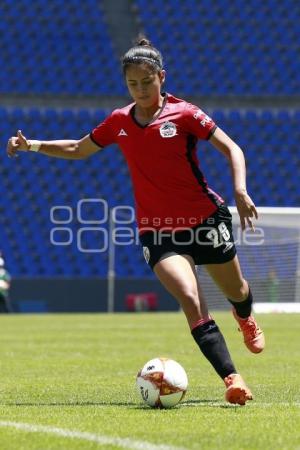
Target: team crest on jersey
[
  {"x": 168, "y": 130},
  {"x": 146, "y": 252}
]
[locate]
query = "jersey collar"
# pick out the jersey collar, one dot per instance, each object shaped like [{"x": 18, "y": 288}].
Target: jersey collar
[{"x": 132, "y": 110}]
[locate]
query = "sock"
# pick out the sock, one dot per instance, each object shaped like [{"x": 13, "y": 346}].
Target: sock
[
  {"x": 213, "y": 346},
  {"x": 201, "y": 321},
  {"x": 243, "y": 309}
]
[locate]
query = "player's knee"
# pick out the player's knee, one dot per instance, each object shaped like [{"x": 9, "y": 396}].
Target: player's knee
[
  {"x": 189, "y": 296},
  {"x": 238, "y": 292}
]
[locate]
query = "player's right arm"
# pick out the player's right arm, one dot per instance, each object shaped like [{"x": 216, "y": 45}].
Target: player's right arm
[{"x": 66, "y": 148}]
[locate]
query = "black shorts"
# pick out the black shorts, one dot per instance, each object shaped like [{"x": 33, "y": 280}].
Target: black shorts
[{"x": 210, "y": 242}]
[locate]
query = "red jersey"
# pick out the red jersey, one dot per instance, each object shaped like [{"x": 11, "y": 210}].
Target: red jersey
[{"x": 169, "y": 188}]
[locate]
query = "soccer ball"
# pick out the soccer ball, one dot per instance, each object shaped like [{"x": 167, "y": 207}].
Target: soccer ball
[{"x": 162, "y": 383}]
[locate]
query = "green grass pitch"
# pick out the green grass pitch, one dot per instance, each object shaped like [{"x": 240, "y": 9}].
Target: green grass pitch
[{"x": 71, "y": 379}]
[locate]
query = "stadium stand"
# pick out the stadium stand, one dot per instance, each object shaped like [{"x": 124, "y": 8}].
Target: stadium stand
[
  {"x": 223, "y": 48},
  {"x": 70, "y": 51}
]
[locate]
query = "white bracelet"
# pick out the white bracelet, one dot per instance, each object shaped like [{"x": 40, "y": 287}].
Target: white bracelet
[{"x": 34, "y": 145}]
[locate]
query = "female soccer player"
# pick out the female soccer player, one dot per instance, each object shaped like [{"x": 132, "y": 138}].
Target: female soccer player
[{"x": 182, "y": 222}]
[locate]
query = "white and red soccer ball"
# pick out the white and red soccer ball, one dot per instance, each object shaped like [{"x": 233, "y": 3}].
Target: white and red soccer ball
[{"x": 162, "y": 383}]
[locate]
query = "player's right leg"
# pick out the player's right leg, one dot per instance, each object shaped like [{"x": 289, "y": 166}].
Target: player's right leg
[{"x": 178, "y": 275}]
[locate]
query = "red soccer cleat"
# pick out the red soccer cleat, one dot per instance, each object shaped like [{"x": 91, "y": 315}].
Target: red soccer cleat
[
  {"x": 253, "y": 336},
  {"x": 237, "y": 392}
]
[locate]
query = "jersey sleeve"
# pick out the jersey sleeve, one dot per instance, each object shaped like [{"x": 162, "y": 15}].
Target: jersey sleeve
[
  {"x": 198, "y": 122},
  {"x": 104, "y": 134}
]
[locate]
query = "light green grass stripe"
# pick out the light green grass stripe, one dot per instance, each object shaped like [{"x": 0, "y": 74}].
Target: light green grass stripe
[{"x": 99, "y": 439}]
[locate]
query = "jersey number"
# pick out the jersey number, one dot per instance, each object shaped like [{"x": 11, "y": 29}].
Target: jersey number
[{"x": 213, "y": 235}]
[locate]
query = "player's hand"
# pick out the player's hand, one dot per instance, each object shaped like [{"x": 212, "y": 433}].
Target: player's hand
[
  {"x": 16, "y": 144},
  {"x": 246, "y": 209}
]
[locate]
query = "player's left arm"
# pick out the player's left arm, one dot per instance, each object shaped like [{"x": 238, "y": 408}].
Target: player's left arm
[{"x": 245, "y": 206}]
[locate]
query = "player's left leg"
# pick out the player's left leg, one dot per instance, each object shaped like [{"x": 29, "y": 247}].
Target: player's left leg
[{"x": 228, "y": 276}]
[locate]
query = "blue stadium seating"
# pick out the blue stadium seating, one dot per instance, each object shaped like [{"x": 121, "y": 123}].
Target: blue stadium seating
[
  {"x": 209, "y": 47},
  {"x": 33, "y": 183},
  {"x": 54, "y": 48},
  {"x": 224, "y": 47}
]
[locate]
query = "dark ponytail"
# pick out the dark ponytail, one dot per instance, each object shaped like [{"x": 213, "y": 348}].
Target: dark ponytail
[{"x": 143, "y": 52}]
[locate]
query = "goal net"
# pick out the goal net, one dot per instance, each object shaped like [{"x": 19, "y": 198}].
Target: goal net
[{"x": 270, "y": 259}]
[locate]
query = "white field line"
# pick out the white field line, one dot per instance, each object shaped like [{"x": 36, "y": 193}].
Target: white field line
[
  {"x": 250, "y": 404},
  {"x": 98, "y": 438}
]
